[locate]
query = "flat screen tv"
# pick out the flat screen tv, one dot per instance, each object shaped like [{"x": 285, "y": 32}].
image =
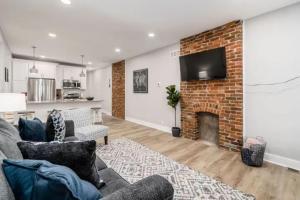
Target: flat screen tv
[{"x": 206, "y": 65}]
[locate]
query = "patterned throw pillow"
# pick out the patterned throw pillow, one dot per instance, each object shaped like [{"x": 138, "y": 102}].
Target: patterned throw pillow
[{"x": 55, "y": 127}]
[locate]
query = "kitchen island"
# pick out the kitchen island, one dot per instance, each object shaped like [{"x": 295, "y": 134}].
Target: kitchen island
[{"x": 42, "y": 109}]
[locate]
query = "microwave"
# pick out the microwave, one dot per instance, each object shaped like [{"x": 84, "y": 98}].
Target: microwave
[{"x": 71, "y": 84}]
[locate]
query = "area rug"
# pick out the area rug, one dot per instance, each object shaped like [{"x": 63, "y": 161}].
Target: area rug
[{"x": 134, "y": 162}]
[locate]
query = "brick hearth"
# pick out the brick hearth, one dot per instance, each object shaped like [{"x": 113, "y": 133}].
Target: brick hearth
[{"x": 221, "y": 97}]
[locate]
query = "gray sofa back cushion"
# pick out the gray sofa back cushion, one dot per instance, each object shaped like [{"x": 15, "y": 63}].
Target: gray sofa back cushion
[
  {"x": 5, "y": 191},
  {"x": 9, "y": 136}
]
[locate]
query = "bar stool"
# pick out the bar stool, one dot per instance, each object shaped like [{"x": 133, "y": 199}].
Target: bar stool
[
  {"x": 26, "y": 114},
  {"x": 97, "y": 115}
]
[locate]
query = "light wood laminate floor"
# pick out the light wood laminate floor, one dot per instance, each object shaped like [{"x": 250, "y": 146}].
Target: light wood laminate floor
[{"x": 268, "y": 182}]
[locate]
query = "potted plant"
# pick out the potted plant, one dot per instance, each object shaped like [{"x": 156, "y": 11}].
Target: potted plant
[{"x": 173, "y": 99}]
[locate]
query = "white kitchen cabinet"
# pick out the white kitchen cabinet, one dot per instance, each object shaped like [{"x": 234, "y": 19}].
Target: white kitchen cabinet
[
  {"x": 73, "y": 73},
  {"x": 5, "y": 63},
  {"x": 20, "y": 86},
  {"x": 20, "y": 75},
  {"x": 21, "y": 72},
  {"x": 59, "y": 77},
  {"x": 20, "y": 69},
  {"x": 45, "y": 70},
  {"x": 83, "y": 81},
  {"x": 67, "y": 73}
]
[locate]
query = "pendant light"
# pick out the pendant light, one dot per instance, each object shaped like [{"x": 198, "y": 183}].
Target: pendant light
[
  {"x": 82, "y": 74},
  {"x": 33, "y": 69}
]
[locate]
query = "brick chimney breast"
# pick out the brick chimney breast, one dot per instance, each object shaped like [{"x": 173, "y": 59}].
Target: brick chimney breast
[{"x": 220, "y": 97}]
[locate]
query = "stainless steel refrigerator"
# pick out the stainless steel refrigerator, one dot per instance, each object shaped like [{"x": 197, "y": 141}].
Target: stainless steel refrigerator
[{"x": 41, "y": 89}]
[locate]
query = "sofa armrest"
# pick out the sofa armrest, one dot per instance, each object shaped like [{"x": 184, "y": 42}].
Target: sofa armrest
[
  {"x": 150, "y": 188},
  {"x": 70, "y": 128}
]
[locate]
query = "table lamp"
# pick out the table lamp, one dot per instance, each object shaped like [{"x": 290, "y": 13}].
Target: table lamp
[{"x": 11, "y": 103}]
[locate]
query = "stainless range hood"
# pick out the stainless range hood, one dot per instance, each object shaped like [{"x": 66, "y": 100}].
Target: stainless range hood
[{"x": 41, "y": 89}]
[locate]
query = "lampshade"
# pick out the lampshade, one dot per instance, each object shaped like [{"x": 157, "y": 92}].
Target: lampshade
[{"x": 12, "y": 102}]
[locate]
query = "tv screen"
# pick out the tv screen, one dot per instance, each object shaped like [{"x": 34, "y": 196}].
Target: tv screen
[{"x": 206, "y": 65}]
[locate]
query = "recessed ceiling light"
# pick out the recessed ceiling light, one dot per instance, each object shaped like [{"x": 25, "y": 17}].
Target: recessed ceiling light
[
  {"x": 43, "y": 56},
  {"x": 151, "y": 35},
  {"x": 67, "y": 2},
  {"x": 90, "y": 63},
  {"x": 118, "y": 50},
  {"x": 53, "y": 35}
]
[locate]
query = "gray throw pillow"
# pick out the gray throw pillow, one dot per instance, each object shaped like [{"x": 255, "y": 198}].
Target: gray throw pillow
[
  {"x": 9, "y": 136},
  {"x": 78, "y": 155}
]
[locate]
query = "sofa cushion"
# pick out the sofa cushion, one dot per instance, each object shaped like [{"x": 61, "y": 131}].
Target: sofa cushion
[
  {"x": 70, "y": 128},
  {"x": 152, "y": 187},
  {"x": 55, "y": 127},
  {"x": 5, "y": 190},
  {"x": 91, "y": 132},
  {"x": 78, "y": 155},
  {"x": 36, "y": 179},
  {"x": 71, "y": 139},
  {"x": 9, "y": 136},
  {"x": 113, "y": 181},
  {"x": 100, "y": 164},
  {"x": 32, "y": 130}
]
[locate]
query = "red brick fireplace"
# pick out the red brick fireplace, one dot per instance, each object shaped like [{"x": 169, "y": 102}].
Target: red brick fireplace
[{"x": 220, "y": 97}]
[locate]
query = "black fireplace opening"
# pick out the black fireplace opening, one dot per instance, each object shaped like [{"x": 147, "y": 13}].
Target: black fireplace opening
[{"x": 209, "y": 127}]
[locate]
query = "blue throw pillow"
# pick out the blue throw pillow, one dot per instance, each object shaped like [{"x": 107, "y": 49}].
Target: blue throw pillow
[
  {"x": 37, "y": 179},
  {"x": 32, "y": 130}
]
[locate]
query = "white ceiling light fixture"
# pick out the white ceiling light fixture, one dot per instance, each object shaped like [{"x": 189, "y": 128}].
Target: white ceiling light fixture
[
  {"x": 52, "y": 35},
  {"x": 151, "y": 35},
  {"x": 67, "y": 2},
  {"x": 82, "y": 74},
  {"x": 42, "y": 56},
  {"x": 118, "y": 50},
  {"x": 89, "y": 63},
  {"x": 33, "y": 69}
]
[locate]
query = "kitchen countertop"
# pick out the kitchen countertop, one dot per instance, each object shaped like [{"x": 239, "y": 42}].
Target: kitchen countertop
[{"x": 64, "y": 101}]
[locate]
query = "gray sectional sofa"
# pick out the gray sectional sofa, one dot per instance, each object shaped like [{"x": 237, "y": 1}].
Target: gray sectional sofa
[{"x": 116, "y": 188}]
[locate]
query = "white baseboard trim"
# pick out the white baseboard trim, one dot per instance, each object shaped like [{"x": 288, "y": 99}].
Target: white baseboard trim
[
  {"x": 106, "y": 112},
  {"x": 282, "y": 161},
  {"x": 272, "y": 158},
  {"x": 149, "y": 124}
]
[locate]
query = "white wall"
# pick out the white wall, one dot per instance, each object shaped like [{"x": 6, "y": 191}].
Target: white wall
[
  {"x": 5, "y": 61},
  {"x": 151, "y": 109},
  {"x": 99, "y": 86},
  {"x": 272, "y": 54}
]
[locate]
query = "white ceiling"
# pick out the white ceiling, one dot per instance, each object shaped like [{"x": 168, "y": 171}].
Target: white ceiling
[{"x": 96, "y": 27}]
